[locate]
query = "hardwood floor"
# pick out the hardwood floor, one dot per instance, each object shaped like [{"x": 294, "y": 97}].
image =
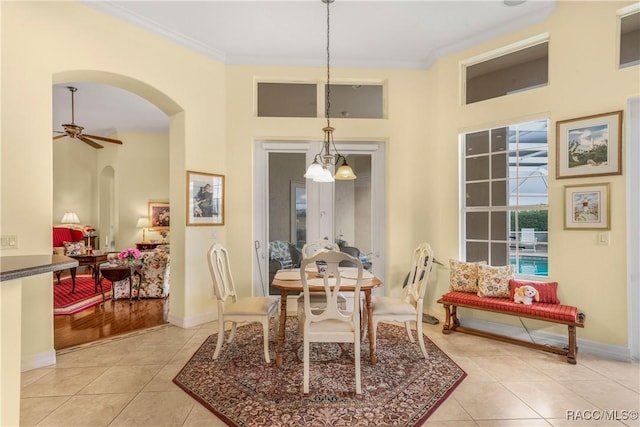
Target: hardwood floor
[{"x": 117, "y": 317}]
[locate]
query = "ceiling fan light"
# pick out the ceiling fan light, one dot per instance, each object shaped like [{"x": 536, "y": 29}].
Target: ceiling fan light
[
  {"x": 314, "y": 171},
  {"x": 345, "y": 173}
]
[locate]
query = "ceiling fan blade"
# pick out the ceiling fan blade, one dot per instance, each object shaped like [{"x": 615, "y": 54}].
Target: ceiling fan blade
[
  {"x": 102, "y": 138},
  {"x": 90, "y": 142},
  {"x": 59, "y": 136}
]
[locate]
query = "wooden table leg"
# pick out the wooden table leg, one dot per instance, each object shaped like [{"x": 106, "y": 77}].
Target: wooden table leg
[
  {"x": 73, "y": 279},
  {"x": 372, "y": 342},
  {"x": 96, "y": 276},
  {"x": 283, "y": 320}
]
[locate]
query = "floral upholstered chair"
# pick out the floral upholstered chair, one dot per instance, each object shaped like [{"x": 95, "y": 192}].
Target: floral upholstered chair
[
  {"x": 154, "y": 274},
  {"x": 282, "y": 255}
]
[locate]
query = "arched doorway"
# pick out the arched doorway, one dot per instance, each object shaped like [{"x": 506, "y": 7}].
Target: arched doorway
[{"x": 107, "y": 200}]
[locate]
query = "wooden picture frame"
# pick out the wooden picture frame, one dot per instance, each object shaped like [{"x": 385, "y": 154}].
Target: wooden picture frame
[
  {"x": 587, "y": 207},
  {"x": 159, "y": 216},
  {"x": 205, "y": 199},
  {"x": 589, "y": 146}
]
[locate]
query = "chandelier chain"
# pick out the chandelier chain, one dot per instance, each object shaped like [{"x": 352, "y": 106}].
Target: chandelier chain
[{"x": 328, "y": 90}]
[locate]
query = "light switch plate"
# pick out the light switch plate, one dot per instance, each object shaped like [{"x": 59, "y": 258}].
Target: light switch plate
[
  {"x": 603, "y": 238},
  {"x": 9, "y": 242}
]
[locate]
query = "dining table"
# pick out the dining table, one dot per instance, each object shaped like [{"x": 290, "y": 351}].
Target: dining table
[{"x": 288, "y": 281}]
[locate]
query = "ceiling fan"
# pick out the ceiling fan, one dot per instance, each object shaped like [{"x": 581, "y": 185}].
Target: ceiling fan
[{"x": 74, "y": 131}]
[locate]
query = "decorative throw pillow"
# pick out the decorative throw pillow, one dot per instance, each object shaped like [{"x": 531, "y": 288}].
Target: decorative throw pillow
[
  {"x": 547, "y": 291},
  {"x": 494, "y": 281},
  {"x": 74, "y": 248},
  {"x": 464, "y": 275}
]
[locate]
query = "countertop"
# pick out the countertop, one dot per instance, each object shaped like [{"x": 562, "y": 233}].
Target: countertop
[{"x": 16, "y": 267}]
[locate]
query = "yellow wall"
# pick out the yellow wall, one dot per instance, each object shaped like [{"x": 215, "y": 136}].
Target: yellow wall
[
  {"x": 213, "y": 129},
  {"x": 583, "y": 80}
]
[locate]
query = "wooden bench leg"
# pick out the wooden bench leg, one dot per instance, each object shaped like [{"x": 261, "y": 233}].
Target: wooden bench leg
[
  {"x": 447, "y": 320},
  {"x": 573, "y": 347}
]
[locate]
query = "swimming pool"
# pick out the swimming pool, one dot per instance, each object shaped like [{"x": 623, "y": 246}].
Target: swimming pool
[{"x": 531, "y": 264}]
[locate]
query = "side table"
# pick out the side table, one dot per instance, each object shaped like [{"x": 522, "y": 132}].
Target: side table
[
  {"x": 118, "y": 273},
  {"x": 89, "y": 260},
  {"x": 145, "y": 246}
]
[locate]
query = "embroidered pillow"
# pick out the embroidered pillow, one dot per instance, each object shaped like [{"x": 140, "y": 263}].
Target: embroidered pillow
[
  {"x": 494, "y": 281},
  {"x": 74, "y": 248},
  {"x": 547, "y": 291},
  {"x": 464, "y": 275}
]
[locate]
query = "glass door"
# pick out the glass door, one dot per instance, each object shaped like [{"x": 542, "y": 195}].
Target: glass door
[{"x": 290, "y": 210}]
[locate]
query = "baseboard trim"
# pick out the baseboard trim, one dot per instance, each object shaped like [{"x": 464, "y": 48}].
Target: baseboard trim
[
  {"x": 39, "y": 360},
  {"x": 595, "y": 348},
  {"x": 189, "y": 322}
]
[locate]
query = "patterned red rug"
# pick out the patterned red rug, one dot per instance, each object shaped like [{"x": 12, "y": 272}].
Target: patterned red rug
[
  {"x": 84, "y": 296},
  {"x": 402, "y": 389}
]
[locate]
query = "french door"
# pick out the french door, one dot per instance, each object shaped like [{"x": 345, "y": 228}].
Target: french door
[{"x": 287, "y": 207}]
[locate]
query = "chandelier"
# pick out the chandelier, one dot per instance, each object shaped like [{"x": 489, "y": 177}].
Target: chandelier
[{"x": 319, "y": 169}]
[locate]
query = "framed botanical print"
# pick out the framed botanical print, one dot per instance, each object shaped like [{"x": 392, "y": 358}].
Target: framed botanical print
[
  {"x": 587, "y": 206},
  {"x": 589, "y": 146},
  {"x": 205, "y": 198}
]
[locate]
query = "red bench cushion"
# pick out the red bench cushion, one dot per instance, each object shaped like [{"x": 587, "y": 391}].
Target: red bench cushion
[{"x": 553, "y": 312}]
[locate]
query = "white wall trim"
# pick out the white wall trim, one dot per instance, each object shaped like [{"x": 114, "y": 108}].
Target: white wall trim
[
  {"x": 633, "y": 223},
  {"x": 606, "y": 351},
  {"x": 40, "y": 360},
  {"x": 191, "y": 321}
]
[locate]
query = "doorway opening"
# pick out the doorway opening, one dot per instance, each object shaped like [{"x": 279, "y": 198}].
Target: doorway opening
[{"x": 290, "y": 210}]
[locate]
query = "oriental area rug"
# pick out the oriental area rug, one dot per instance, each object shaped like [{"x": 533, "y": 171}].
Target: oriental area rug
[
  {"x": 85, "y": 296},
  {"x": 402, "y": 389}
]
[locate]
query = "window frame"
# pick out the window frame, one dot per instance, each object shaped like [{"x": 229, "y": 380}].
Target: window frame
[
  {"x": 508, "y": 208},
  {"x": 621, "y": 14},
  {"x": 496, "y": 53}
]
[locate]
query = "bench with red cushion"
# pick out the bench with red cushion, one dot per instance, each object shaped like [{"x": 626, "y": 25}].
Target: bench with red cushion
[{"x": 555, "y": 313}]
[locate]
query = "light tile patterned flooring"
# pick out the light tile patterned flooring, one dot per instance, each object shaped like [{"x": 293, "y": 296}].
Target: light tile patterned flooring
[{"x": 128, "y": 382}]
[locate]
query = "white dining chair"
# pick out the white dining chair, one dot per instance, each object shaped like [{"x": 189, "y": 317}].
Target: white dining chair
[
  {"x": 317, "y": 299},
  {"x": 331, "y": 324},
  {"x": 407, "y": 308},
  {"x": 234, "y": 309}
]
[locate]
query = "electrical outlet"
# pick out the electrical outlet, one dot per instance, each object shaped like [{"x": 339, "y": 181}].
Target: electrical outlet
[{"x": 9, "y": 242}]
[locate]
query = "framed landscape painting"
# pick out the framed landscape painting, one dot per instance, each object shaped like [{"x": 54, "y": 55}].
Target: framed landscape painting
[
  {"x": 589, "y": 146},
  {"x": 587, "y": 206},
  {"x": 205, "y": 198}
]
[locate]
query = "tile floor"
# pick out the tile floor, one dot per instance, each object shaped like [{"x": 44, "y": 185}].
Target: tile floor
[{"x": 128, "y": 382}]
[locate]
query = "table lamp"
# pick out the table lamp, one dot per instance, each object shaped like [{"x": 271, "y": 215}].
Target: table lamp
[
  {"x": 143, "y": 223},
  {"x": 70, "y": 218}
]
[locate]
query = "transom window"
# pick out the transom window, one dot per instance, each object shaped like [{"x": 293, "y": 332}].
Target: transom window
[
  {"x": 630, "y": 38},
  {"x": 505, "y": 203},
  {"x": 516, "y": 68}
]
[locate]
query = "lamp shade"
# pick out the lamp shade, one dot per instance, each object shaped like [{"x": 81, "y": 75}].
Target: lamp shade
[
  {"x": 345, "y": 172},
  {"x": 314, "y": 171},
  {"x": 70, "y": 218},
  {"x": 324, "y": 177},
  {"x": 143, "y": 223}
]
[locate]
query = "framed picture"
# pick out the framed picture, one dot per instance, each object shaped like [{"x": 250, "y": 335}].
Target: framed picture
[
  {"x": 587, "y": 206},
  {"x": 589, "y": 146},
  {"x": 159, "y": 216},
  {"x": 205, "y": 198}
]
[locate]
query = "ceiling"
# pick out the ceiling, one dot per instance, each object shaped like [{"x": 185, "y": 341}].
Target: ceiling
[{"x": 364, "y": 33}]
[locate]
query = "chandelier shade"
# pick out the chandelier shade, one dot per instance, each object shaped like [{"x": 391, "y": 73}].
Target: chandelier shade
[{"x": 319, "y": 171}]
